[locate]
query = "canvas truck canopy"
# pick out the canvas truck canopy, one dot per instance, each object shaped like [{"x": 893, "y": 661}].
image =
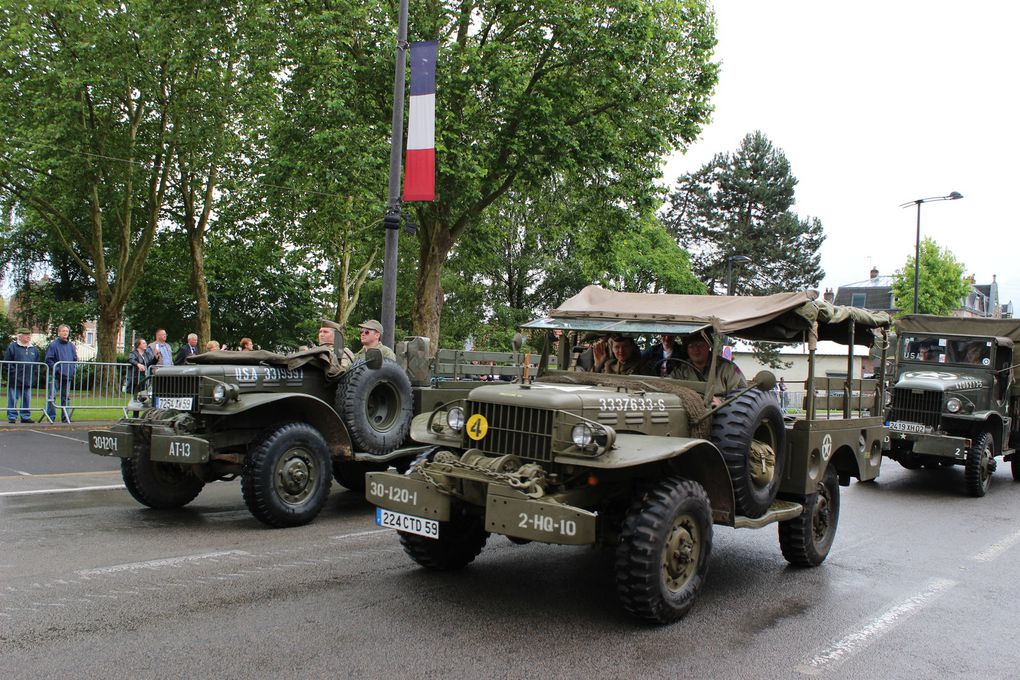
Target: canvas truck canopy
[
  {"x": 784, "y": 317},
  {"x": 1006, "y": 331}
]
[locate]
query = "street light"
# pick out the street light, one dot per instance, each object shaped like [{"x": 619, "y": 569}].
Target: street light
[
  {"x": 956, "y": 195},
  {"x": 739, "y": 259}
]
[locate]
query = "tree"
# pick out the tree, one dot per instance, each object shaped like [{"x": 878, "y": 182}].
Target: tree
[
  {"x": 941, "y": 287},
  {"x": 594, "y": 91},
  {"x": 740, "y": 204},
  {"x": 96, "y": 99}
]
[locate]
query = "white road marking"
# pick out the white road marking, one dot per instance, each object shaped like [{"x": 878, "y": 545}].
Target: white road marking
[
  {"x": 997, "y": 548},
  {"x": 159, "y": 564},
  {"x": 39, "y": 492},
  {"x": 362, "y": 533},
  {"x": 841, "y": 649},
  {"x": 62, "y": 436}
]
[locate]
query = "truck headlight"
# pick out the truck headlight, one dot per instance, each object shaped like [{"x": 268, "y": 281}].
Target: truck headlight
[
  {"x": 222, "y": 393},
  {"x": 953, "y": 405},
  {"x": 582, "y": 435},
  {"x": 455, "y": 419}
]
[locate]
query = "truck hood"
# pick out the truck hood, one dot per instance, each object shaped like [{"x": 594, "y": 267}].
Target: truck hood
[
  {"x": 941, "y": 381},
  {"x": 564, "y": 397}
]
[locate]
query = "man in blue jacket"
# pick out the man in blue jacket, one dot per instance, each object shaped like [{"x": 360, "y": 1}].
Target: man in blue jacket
[
  {"x": 20, "y": 369},
  {"x": 62, "y": 358}
]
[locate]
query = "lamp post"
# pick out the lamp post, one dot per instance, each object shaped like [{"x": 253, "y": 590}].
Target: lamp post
[
  {"x": 739, "y": 259},
  {"x": 953, "y": 196}
]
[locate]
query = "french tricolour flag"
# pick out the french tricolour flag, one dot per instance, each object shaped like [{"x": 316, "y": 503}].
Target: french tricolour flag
[{"x": 420, "y": 168}]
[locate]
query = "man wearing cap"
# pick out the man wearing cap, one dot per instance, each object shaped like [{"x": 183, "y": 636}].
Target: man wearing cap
[
  {"x": 20, "y": 361},
  {"x": 699, "y": 360},
  {"x": 371, "y": 336},
  {"x": 338, "y": 365}
]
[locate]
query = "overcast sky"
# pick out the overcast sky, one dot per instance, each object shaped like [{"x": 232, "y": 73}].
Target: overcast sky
[{"x": 876, "y": 104}]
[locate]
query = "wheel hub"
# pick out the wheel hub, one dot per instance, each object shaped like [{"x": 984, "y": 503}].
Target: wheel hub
[
  {"x": 295, "y": 477},
  {"x": 681, "y": 555}
]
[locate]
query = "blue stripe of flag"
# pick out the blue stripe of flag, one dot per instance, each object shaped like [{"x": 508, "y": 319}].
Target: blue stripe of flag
[{"x": 423, "y": 67}]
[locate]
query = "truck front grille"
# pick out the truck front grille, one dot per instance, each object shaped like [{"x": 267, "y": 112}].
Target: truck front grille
[
  {"x": 916, "y": 407},
  {"x": 176, "y": 386},
  {"x": 523, "y": 432}
]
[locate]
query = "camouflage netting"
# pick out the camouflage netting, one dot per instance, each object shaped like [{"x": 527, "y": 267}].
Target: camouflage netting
[{"x": 694, "y": 403}]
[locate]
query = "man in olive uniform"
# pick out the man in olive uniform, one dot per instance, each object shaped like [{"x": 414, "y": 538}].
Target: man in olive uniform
[
  {"x": 699, "y": 360},
  {"x": 371, "y": 336},
  {"x": 339, "y": 364}
]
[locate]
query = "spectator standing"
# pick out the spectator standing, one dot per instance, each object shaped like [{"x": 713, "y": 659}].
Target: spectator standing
[
  {"x": 784, "y": 398},
  {"x": 188, "y": 349},
  {"x": 159, "y": 351},
  {"x": 370, "y": 333},
  {"x": 62, "y": 358},
  {"x": 21, "y": 358},
  {"x": 245, "y": 345},
  {"x": 139, "y": 360}
]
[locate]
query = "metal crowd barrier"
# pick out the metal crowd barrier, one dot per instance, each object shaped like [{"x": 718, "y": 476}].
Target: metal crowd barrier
[
  {"x": 57, "y": 393},
  {"x": 23, "y": 379}
]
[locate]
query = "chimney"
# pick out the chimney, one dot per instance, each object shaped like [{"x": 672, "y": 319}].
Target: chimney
[
  {"x": 829, "y": 296},
  {"x": 874, "y": 272}
]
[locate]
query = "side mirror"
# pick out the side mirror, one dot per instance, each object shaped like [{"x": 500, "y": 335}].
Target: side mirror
[
  {"x": 765, "y": 381},
  {"x": 374, "y": 358}
]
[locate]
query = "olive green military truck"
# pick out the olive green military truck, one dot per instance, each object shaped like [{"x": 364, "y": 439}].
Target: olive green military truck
[
  {"x": 955, "y": 400},
  {"x": 643, "y": 464}
]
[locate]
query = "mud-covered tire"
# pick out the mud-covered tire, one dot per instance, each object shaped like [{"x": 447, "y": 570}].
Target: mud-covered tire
[
  {"x": 350, "y": 474},
  {"x": 161, "y": 486},
  {"x": 287, "y": 477},
  {"x": 662, "y": 556},
  {"x": 754, "y": 415},
  {"x": 980, "y": 462},
  {"x": 376, "y": 405},
  {"x": 459, "y": 543},
  {"x": 807, "y": 539}
]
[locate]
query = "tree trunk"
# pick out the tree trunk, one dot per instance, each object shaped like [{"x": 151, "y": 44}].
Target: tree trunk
[
  {"x": 203, "y": 324},
  {"x": 107, "y": 330},
  {"x": 425, "y": 314}
]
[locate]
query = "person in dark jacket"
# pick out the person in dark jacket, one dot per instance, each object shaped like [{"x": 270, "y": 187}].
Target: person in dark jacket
[
  {"x": 20, "y": 372},
  {"x": 139, "y": 360},
  {"x": 188, "y": 349},
  {"x": 62, "y": 358}
]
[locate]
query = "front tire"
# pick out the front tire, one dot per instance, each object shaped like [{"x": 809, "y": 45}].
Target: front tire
[
  {"x": 287, "y": 476},
  {"x": 459, "y": 543},
  {"x": 662, "y": 557},
  {"x": 745, "y": 430},
  {"x": 807, "y": 539},
  {"x": 980, "y": 463},
  {"x": 160, "y": 486},
  {"x": 350, "y": 474}
]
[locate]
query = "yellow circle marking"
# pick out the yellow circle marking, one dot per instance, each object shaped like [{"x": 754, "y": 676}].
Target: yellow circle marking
[{"x": 477, "y": 426}]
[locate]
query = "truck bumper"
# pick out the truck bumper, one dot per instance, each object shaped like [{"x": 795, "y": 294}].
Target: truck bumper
[
  {"x": 120, "y": 443},
  {"x": 507, "y": 511},
  {"x": 942, "y": 446}
]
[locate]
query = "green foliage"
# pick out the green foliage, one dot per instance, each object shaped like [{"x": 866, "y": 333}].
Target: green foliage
[
  {"x": 740, "y": 204},
  {"x": 256, "y": 290},
  {"x": 591, "y": 94},
  {"x": 941, "y": 288}
]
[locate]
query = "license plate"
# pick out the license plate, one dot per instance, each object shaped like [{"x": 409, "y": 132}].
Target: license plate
[
  {"x": 177, "y": 403},
  {"x": 407, "y": 523},
  {"x": 909, "y": 427}
]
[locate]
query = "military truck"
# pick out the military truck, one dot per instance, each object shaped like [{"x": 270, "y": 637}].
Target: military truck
[
  {"x": 642, "y": 463},
  {"x": 955, "y": 400},
  {"x": 283, "y": 423}
]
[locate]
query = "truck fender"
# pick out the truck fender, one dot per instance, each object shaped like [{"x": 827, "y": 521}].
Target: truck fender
[{"x": 268, "y": 408}]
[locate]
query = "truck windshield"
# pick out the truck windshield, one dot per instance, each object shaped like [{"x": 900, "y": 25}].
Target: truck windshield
[{"x": 940, "y": 350}]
